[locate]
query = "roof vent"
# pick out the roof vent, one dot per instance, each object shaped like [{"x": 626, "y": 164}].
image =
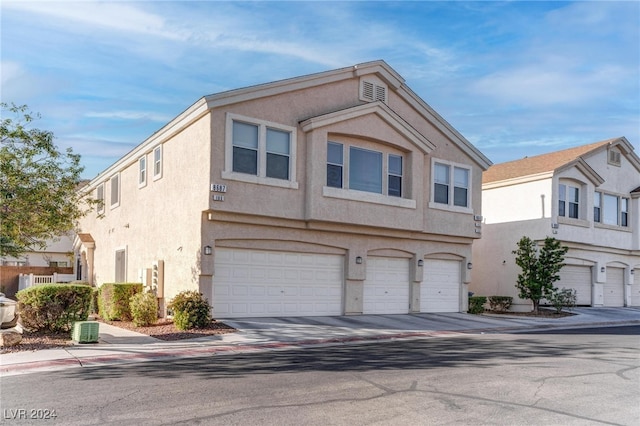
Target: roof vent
[
  {"x": 614, "y": 158},
  {"x": 372, "y": 92}
]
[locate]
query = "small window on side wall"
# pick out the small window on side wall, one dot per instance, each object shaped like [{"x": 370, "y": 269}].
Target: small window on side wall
[
  {"x": 100, "y": 199},
  {"x": 115, "y": 191},
  {"x": 157, "y": 162},
  {"x": 142, "y": 171}
]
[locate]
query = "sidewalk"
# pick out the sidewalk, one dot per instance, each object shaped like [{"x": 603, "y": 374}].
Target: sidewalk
[{"x": 117, "y": 345}]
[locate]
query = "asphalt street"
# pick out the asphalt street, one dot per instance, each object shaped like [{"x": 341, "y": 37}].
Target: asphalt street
[{"x": 581, "y": 377}]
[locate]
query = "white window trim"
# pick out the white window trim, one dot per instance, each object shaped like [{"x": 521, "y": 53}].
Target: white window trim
[
  {"x": 368, "y": 197},
  {"x": 451, "y": 207},
  {"x": 261, "y": 179},
  {"x": 143, "y": 183},
  {"x": 117, "y": 203},
  {"x": 158, "y": 175}
]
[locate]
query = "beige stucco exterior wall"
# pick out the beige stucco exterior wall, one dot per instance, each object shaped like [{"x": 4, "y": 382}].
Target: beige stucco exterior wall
[{"x": 160, "y": 221}]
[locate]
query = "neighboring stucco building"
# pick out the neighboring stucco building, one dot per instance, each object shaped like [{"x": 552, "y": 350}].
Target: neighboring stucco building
[
  {"x": 58, "y": 253},
  {"x": 335, "y": 193},
  {"x": 587, "y": 197}
]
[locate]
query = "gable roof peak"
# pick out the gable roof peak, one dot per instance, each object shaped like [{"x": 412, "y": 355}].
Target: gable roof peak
[{"x": 543, "y": 163}]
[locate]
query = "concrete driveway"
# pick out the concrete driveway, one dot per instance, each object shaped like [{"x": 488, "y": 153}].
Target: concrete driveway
[{"x": 411, "y": 325}]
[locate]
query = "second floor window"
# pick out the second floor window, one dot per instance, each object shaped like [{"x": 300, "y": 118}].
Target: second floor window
[
  {"x": 142, "y": 171},
  {"x": 100, "y": 198},
  {"x": 364, "y": 170},
  {"x": 611, "y": 209},
  {"x": 261, "y": 150},
  {"x": 157, "y": 162},
  {"x": 115, "y": 190},
  {"x": 443, "y": 190},
  {"x": 568, "y": 201}
]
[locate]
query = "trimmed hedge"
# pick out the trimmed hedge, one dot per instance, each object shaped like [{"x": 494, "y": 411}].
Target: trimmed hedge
[
  {"x": 190, "y": 310},
  {"x": 113, "y": 301},
  {"x": 144, "y": 308},
  {"x": 500, "y": 303},
  {"x": 53, "y": 307},
  {"x": 476, "y": 304}
]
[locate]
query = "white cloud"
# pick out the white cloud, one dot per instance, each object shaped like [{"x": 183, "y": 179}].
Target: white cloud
[
  {"x": 130, "y": 115},
  {"x": 115, "y": 16}
]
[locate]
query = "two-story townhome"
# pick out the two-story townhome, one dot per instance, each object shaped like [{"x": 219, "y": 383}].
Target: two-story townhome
[
  {"x": 587, "y": 197},
  {"x": 335, "y": 193}
]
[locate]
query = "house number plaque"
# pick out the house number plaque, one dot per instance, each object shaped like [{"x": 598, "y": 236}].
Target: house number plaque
[{"x": 218, "y": 188}]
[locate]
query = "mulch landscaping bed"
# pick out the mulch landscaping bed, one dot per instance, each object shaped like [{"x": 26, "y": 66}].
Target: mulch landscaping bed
[
  {"x": 164, "y": 330},
  {"x": 542, "y": 313}
]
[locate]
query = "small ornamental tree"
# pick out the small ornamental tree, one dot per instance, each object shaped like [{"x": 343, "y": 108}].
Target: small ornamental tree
[
  {"x": 39, "y": 197},
  {"x": 540, "y": 268}
]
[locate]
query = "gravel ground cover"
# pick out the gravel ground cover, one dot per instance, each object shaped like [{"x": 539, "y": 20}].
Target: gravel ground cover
[{"x": 163, "y": 330}]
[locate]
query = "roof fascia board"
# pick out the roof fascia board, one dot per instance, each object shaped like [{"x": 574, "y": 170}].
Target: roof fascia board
[
  {"x": 382, "y": 111},
  {"x": 304, "y": 82},
  {"x": 518, "y": 180},
  {"x": 179, "y": 123},
  {"x": 584, "y": 168},
  {"x": 442, "y": 125}
]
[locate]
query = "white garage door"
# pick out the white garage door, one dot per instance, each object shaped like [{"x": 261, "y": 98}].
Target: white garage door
[
  {"x": 440, "y": 289},
  {"x": 635, "y": 289},
  {"x": 257, "y": 283},
  {"x": 614, "y": 287},
  {"x": 386, "y": 288},
  {"x": 578, "y": 278}
]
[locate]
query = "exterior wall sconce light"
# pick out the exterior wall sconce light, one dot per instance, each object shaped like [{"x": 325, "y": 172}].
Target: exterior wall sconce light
[
  {"x": 359, "y": 260},
  {"x": 469, "y": 265},
  {"x": 420, "y": 262},
  {"x": 208, "y": 250},
  {"x": 602, "y": 269}
]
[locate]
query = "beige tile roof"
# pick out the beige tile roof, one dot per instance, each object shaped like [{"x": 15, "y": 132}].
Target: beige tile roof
[
  {"x": 86, "y": 238},
  {"x": 539, "y": 163}
]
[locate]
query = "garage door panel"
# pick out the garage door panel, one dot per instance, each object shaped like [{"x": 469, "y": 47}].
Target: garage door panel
[
  {"x": 578, "y": 278},
  {"x": 262, "y": 283},
  {"x": 386, "y": 287},
  {"x": 440, "y": 289},
  {"x": 614, "y": 288}
]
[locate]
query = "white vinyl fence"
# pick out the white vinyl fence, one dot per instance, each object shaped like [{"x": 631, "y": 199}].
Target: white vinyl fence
[{"x": 30, "y": 280}]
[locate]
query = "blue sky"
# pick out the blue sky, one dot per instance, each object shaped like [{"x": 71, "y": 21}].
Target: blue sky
[{"x": 515, "y": 78}]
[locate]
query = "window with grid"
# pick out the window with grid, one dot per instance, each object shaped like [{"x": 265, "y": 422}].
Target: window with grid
[
  {"x": 451, "y": 184},
  {"x": 142, "y": 171},
  {"x": 157, "y": 162},
  {"x": 569, "y": 201},
  {"x": 612, "y": 209},
  {"x": 261, "y": 149},
  {"x": 364, "y": 170}
]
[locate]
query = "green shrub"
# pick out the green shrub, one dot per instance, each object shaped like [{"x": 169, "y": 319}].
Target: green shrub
[
  {"x": 190, "y": 310},
  {"x": 144, "y": 308},
  {"x": 476, "y": 304},
  {"x": 113, "y": 302},
  {"x": 566, "y": 297},
  {"x": 500, "y": 303},
  {"x": 53, "y": 307}
]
